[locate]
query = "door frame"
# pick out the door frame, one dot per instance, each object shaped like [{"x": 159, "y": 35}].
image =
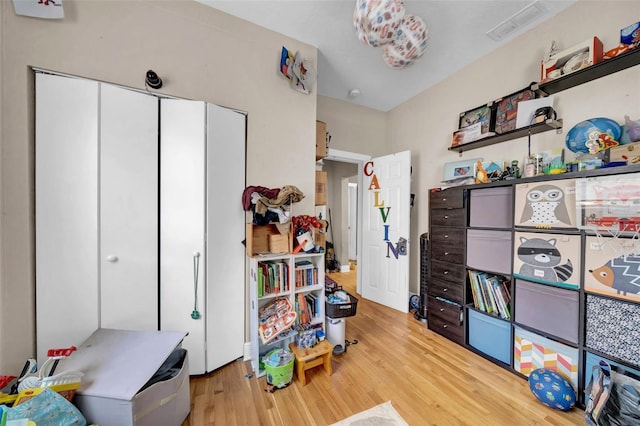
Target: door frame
[{"x": 359, "y": 160}]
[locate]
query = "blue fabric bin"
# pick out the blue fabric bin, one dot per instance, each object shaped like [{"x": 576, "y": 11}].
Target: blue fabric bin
[{"x": 489, "y": 335}]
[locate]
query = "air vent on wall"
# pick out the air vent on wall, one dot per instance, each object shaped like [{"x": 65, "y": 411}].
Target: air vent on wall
[{"x": 518, "y": 20}]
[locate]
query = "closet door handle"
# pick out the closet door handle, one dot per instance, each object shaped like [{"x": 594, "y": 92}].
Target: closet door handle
[{"x": 112, "y": 258}]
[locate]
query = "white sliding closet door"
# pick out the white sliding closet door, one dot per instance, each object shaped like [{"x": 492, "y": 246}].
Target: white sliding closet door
[
  {"x": 66, "y": 176},
  {"x": 96, "y": 210},
  {"x": 182, "y": 224},
  {"x": 226, "y": 136},
  {"x": 202, "y": 228},
  {"x": 128, "y": 209}
]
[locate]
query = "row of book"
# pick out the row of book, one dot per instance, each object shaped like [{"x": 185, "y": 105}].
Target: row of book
[
  {"x": 307, "y": 307},
  {"x": 306, "y": 273},
  {"x": 273, "y": 277},
  {"x": 490, "y": 293}
]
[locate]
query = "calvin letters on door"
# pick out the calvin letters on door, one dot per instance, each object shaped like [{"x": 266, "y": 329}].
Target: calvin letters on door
[{"x": 546, "y": 205}]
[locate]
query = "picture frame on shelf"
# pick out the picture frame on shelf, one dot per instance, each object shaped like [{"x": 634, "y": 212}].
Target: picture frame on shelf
[
  {"x": 485, "y": 115},
  {"x": 507, "y": 109},
  {"x": 456, "y": 170},
  {"x": 570, "y": 60}
]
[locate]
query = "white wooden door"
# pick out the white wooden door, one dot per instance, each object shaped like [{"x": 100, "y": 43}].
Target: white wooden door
[
  {"x": 182, "y": 225},
  {"x": 66, "y": 208},
  {"x": 128, "y": 209},
  {"x": 225, "y": 232},
  {"x": 385, "y": 238}
]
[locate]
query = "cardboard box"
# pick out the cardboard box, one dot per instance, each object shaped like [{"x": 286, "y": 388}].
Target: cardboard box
[
  {"x": 116, "y": 365},
  {"x": 321, "y": 188},
  {"x": 321, "y": 140},
  {"x": 279, "y": 243},
  {"x": 259, "y": 238},
  {"x": 571, "y": 60},
  {"x": 629, "y": 153}
]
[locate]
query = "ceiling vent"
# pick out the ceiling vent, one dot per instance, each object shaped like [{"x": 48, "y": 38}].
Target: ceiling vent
[{"x": 517, "y": 21}]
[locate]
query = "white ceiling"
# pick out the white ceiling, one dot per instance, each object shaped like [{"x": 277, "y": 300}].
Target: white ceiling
[{"x": 457, "y": 37}]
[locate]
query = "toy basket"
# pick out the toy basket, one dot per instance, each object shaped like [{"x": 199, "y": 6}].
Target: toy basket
[{"x": 342, "y": 310}]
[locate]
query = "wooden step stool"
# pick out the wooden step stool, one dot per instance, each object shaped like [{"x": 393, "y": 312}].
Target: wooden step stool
[{"x": 312, "y": 357}]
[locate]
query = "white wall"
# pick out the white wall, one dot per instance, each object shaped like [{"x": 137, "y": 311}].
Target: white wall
[{"x": 199, "y": 52}]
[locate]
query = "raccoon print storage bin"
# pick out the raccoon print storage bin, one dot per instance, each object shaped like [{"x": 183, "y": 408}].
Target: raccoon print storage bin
[
  {"x": 552, "y": 259},
  {"x": 612, "y": 328},
  {"x": 612, "y": 267}
]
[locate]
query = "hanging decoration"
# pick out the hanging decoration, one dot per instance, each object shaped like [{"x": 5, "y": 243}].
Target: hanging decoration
[
  {"x": 409, "y": 44},
  {"x": 384, "y": 23},
  {"x": 298, "y": 70},
  {"x": 45, "y": 9},
  {"x": 377, "y": 21}
]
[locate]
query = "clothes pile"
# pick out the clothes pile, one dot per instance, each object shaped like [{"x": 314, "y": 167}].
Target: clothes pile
[{"x": 270, "y": 204}]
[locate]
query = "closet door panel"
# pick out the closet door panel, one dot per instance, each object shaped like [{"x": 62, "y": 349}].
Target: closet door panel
[
  {"x": 128, "y": 209},
  {"x": 66, "y": 205},
  {"x": 225, "y": 233},
  {"x": 182, "y": 216}
]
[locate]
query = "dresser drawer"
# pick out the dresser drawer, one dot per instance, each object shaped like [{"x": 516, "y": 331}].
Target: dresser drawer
[
  {"x": 448, "y": 271},
  {"x": 449, "y": 236},
  {"x": 446, "y": 290},
  {"x": 444, "y": 319},
  {"x": 445, "y": 252},
  {"x": 448, "y": 217},
  {"x": 448, "y": 312},
  {"x": 447, "y": 199}
]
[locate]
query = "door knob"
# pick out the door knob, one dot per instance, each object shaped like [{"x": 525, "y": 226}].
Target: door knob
[{"x": 112, "y": 258}]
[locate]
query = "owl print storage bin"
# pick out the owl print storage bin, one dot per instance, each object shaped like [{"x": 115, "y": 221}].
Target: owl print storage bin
[
  {"x": 546, "y": 205},
  {"x": 545, "y": 258}
]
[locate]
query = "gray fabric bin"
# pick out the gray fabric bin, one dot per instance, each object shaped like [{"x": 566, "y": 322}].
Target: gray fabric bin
[
  {"x": 549, "y": 309},
  {"x": 491, "y": 207},
  {"x": 489, "y": 250}
]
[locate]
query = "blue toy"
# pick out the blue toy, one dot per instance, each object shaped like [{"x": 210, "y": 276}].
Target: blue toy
[
  {"x": 552, "y": 389},
  {"x": 593, "y": 135}
]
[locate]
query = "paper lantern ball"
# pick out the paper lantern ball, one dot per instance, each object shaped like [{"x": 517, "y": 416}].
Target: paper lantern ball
[
  {"x": 593, "y": 135},
  {"x": 552, "y": 389},
  {"x": 376, "y": 21},
  {"x": 409, "y": 44}
]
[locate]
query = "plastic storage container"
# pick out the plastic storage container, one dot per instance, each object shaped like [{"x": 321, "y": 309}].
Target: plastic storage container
[{"x": 278, "y": 365}]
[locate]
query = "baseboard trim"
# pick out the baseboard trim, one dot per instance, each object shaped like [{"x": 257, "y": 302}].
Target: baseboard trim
[{"x": 247, "y": 351}]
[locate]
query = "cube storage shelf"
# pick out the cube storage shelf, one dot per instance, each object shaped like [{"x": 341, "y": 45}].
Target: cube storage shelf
[
  {"x": 304, "y": 278},
  {"x": 552, "y": 314}
]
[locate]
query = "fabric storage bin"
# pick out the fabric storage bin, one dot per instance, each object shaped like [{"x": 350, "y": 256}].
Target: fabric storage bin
[
  {"x": 548, "y": 204},
  {"x": 491, "y": 207},
  {"x": 489, "y": 250},
  {"x": 611, "y": 267},
  {"x": 552, "y": 259},
  {"x": 549, "y": 309},
  {"x": 612, "y": 328},
  {"x": 491, "y": 336},
  {"x": 532, "y": 351}
]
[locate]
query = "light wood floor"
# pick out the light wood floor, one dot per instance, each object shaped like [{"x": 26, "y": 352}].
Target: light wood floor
[{"x": 428, "y": 379}]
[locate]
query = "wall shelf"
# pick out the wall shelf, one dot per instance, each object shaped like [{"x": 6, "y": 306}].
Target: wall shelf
[
  {"x": 585, "y": 75},
  {"x": 513, "y": 134}
]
